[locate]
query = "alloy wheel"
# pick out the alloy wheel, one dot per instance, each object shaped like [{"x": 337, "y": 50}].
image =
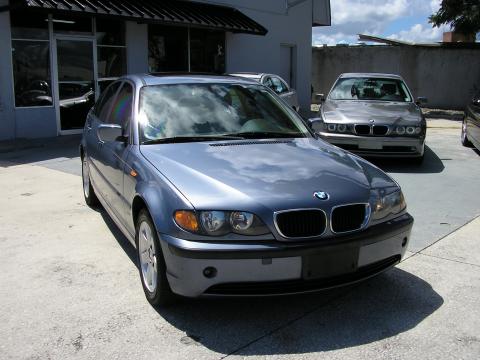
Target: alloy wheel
[{"x": 148, "y": 257}]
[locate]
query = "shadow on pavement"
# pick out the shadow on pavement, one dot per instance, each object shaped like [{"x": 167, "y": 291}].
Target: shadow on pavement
[
  {"x": 432, "y": 164},
  {"x": 380, "y": 308},
  {"x": 384, "y": 306},
  {"x": 40, "y": 150}
]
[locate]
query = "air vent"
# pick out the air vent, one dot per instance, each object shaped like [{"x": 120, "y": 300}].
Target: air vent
[
  {"x": 348, "y": 218},
  {"x": 380, "y": 130},
  {"x": 301, "y": 223},
  {"x": 362, "y": 129},
  {"x": 244, "y": 143}
]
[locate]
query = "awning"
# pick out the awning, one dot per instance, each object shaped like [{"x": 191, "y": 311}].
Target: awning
[{"x": 173, "y": 12}]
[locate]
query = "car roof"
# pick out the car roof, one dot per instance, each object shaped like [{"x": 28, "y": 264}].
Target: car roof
[
  {"x": 374, "y": 75},
  {"x": 184, "y": 78}
]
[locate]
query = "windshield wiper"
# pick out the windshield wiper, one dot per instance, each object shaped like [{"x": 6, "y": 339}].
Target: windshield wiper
[
  {"x": 186, "y": 139},
  {"x": 267, "y": 135}
]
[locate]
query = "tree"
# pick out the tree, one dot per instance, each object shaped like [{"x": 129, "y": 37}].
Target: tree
[{"x": 462, "y": 15}]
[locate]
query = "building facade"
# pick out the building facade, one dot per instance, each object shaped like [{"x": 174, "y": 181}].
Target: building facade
[{"x": 58, "y": 55}]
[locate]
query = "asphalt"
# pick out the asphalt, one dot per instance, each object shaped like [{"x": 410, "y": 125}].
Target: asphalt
[{"x": 69, "y": 284}]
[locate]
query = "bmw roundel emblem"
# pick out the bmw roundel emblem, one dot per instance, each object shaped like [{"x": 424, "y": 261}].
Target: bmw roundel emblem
[{"x": 322, "y": 195}]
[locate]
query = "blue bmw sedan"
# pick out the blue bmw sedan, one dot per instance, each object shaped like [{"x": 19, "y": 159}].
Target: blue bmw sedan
[{"x": 223, "y": 190}]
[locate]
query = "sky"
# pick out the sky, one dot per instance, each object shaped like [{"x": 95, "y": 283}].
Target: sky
[{"x": 396, "y": 19}]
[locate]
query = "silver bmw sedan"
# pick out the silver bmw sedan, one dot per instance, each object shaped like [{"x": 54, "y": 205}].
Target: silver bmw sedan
[
  {"x": 373, "y": 115},
  {"x": 224, "y": 190}
]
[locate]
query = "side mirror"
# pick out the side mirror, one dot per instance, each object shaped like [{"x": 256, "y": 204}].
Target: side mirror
[
  {"x": 319, "y": 98},
  {"x": 110, "y": 132},
  {"x": 421, "y": 101}
]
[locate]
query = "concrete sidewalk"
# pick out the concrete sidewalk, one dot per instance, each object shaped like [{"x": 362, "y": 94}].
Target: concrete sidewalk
[
  {"x": 69, "y": 288},
  {"x": 440, "y": 314}
]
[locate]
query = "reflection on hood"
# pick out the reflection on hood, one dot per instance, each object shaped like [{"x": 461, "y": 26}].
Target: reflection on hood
[
  {"x": 382, "y": 112},
  {"x": 275, "y": 174}
]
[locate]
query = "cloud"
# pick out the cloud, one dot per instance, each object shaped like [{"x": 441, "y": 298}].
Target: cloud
[
  {"x": 352, "y": 17},
  {"x": 420, "y": 33}
]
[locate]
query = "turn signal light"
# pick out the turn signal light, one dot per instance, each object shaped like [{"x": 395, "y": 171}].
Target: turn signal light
[{"x": 187, "y": 220}]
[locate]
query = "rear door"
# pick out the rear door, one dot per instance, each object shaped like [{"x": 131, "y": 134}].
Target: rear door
[{"x": 95, "y": 147}]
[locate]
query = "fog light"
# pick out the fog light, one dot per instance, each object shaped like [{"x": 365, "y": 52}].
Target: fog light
[{"x": 209, "y": 272}]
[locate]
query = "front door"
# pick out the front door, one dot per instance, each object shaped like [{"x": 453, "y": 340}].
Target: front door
[{"x": 75, "y": 93}]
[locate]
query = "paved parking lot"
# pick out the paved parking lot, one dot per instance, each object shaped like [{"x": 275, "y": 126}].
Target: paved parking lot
[{"x": 69, "y": 285}]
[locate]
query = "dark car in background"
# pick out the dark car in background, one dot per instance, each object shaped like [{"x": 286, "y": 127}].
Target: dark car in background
[
  {"x": 373, "y": 115},
  {"x": 224, "y": 190},
  {"x": 471, "y": 124}
]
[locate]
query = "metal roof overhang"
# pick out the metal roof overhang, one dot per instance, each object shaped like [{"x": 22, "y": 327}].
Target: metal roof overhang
[{"x": 168, "y": 12}]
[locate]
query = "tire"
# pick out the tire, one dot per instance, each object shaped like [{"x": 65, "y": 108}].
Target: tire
[
  {"x": 463, "y": 136},
  {"x": 151, "y": 264},
  {"x": 88, "y": 192}
]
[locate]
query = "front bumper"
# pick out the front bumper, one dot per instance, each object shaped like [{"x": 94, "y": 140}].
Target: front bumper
[
  {"x": 377, "y": 146},
  {"x": 274, "y": 267}
]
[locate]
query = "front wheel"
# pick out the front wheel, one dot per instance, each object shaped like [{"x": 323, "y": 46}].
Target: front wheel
[
  {"x": 152, "y": 268},
  {"x": 88, "y": 192},
  {"x": 463, "y": 136}
]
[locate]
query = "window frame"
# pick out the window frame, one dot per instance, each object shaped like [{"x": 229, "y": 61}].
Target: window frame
[
  {"x": 52, "y": 61},
  {"x": 50, "y": 65},
  {"x": 114, "y": 97}
]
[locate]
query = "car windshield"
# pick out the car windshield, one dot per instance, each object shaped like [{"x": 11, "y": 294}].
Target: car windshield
[
  {"x": 209, "y": 111},
  {"x": 367, "y": 88}
]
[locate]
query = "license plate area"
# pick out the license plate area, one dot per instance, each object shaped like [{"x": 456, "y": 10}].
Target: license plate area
[
  {"x": 370, "y": 145},
  {"x": 330, "y": 263}
]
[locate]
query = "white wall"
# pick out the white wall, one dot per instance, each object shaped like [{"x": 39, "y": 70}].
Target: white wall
[{"x": 137, "y": 47}]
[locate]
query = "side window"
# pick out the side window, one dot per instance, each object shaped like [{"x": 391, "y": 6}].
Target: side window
[
  {"x": 122, "y": 107},
  {"x": 103, "y": 105},
  {"x": 278, "y": 85},
  {"x": 268, "y": 83}
]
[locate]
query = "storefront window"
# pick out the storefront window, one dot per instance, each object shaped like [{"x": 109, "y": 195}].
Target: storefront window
[
  {"x": 72, "y": 25},
  {"x": 167, "y": 48},
  {"x": 29, "y": 27},
  {"x": 207, "y": 51},
  {"x": 111, "y": 51},
  {"x": 111, "y": 61},
  {"x": 31, "y": 60},
  {"x": 110, "y": 32}
]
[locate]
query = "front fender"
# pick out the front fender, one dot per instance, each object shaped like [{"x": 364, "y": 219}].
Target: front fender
[{"x": 159, "y": 195}]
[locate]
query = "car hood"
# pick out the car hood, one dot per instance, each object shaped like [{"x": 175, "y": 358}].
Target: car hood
[
  {"x": 274, "y": 174},
  {"x": 363, "y": 111}
]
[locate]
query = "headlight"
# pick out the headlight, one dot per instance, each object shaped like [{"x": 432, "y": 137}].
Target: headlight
[
  {"x": 410, "y": 130},
  {"x": 217, "y": 223},
  {"x": 386, "y": 202},
  {"x": 332, "y": 127},
  {"x": 400, "y": 130},
  {"x": 213, "y": 222},
  {"x": 341, "y": 128}
]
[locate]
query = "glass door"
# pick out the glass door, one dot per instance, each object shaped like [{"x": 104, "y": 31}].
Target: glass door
[{"x": 75, "y": 82}]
